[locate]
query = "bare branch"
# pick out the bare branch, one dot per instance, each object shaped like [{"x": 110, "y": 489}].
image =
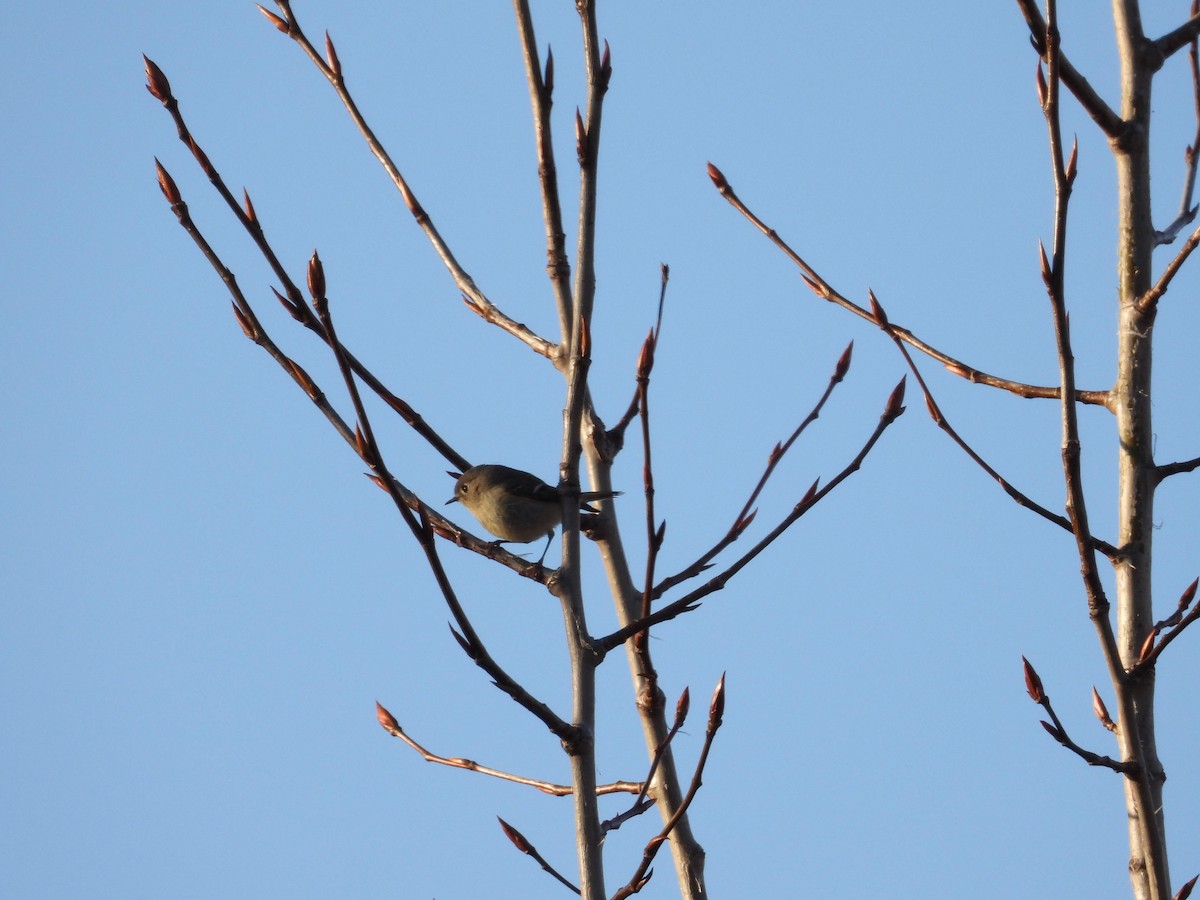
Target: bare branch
[
  {"x": 716, "y": 712},
  {"x": 640, "y": 803},
  {"x": 476, "y": 299},
  {"x": 1150, "y": 299},
  {"x": 1176, "y": 40},
  {"x": 392, "y": 727},
  {"x": 1176, "y": 468},
  {"x": 743, "y": 519},
  {"x": 690, "y": 601},
  {"x": 825, "y": 291},
  {"x": 1102, "y": 114},
  {"x": 521, "y": 843},
  {"x": 1176, "y": 623},
  {"x": 1033, "y": 685}
]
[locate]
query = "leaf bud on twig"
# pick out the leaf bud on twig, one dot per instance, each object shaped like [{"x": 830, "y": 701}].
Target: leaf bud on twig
[
  {"x": 1147, "y": 646},
  {"x": 843, "y": 364},
  {"x": 548, "y": 78},
  {"x": 718, "y": 179},
  {"x": 386, "y": 719},
  {"x": 1186, "y": 890},
  {"x": 1033, "y": 684},
  {"x": 156, "y": 82},
  {"x": 876, "y": 310},
  {"x": 251, "y": 215},
  {"x": 167, "y": 184},
  {"x": 1041, "y": 85},
  {"x": 716, "y": 709},
  {"x": 1101, "y": 710},
  {"x": 1045, "y": 264},
  {"x": 316, "y": 277},
  {"x": 310, "y": 386},
  {"x": 605, "y": 68},
  {"x": 331, "y": 57},
  {"x": 247, "y": 328},
  {"x": 1073, "y": 161},
  {"x": 895, "y": 404},
  {"x": 581, "y": 147},
  {"x": 515, "y": 836},
  {"x": 280, "y": 23}
]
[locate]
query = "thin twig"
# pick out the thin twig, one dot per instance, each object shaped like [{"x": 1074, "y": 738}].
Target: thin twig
[
  {"x": 716, "y": 712},
  {"x": 1152, "y": 648},
  {"x": 640, "y": 802},
  {"x": 691, "y": 600},
  {"x": 390, "y": 725},
  {"x": 743, "y": 519},
  {"x": 825, "y": 291},
  {"x": 1176, "y": 468},
  {"x": 522, "y": 843},
  {"x": 1176, "y": 40},
  {"x": 1102, "y": 114},
  {"x": 1033, "y": 684},
  {"x": 1150, "y": 299},
  {"x": 939, "y": 418},
  {"x": 476, "y": 300},
  {"x": 1191, "y": 156}
]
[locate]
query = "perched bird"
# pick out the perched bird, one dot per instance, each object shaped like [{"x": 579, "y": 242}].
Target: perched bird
[{"x": 514, "y": 505}]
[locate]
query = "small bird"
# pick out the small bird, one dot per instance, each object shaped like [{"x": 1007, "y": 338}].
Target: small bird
[{"x": 513, "y": 505}]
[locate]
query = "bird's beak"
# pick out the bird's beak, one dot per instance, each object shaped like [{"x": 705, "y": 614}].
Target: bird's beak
[{"x": 451, "y": 500}]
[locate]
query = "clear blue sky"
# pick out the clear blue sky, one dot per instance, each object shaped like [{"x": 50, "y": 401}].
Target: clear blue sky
[{"x": 204, "y": 597}]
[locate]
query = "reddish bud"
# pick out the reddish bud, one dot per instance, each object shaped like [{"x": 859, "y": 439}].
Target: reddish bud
[
  {"x": 813, "y": 286},
  {"x": 156, "y": 81},
  {"x": 515, "y": 836},
  {"x": 1052, "y": 730},
  {"x": 247, "y": 328},
  {"x": 280, "y": 23},
  {"x": 742, "y": 524},
  {"x": 581, "y": 148},
  {"x": 386, "y": 719},
  {"x": 301, "y": 376},
  {"x": 775, "y": 454},
  {"x": 548, "y": 78},
  {"x": 377, "y": 481},
  {"x": 401, "y": 407},
  {"x": 682, "y": 706},
  {"x": 807, "y": 499},
  {"x": 251, "y": 215},
  {"x": 331, "y": 57},
  {"x": 1073, "y": 161},
  {"x": 843, "y": 364},
  {"x": 1033, "y": 684},
  {"x": 167, "y": 184},
  {"x": 716, "y": 708},
  {"x": 605, "y": 66},
  {"x": 646, "y": 357},
  {"x": 1147, "y": 646},
  {"x": 932, "y": 408},
  {"x": 895, "y": 404},
  {"x": 201, "y": 157},
  {"x": 1186, "y": 890},
  {"x": 316, "y": 277},
  {"x": 1045, "y": 264},
  {"x": 718, "y": 179},
  {"x": 292, "y": 309},
  {"x": 1188, "y": 595},
  {"x": 584, "y": 342},
  {"x": 1041, "y": 84},
  {"x": 1101, "y": 710},
  {"x": 360, "y": 442},
  {"x": 880, "y": 316}
]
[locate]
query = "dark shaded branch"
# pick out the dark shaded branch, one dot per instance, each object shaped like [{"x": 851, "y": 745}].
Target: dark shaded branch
[
  {"x": 1176, "y": 468},
  {"x": 1176, "y": 40}
]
